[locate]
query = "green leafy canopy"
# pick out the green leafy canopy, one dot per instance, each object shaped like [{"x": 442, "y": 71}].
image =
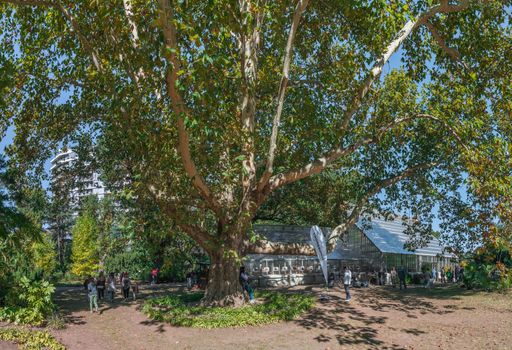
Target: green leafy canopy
[{"x": 182, "y": 101}]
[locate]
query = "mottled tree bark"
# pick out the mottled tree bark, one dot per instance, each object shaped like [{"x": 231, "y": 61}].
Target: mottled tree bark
[{"x": 223, "y": 288}]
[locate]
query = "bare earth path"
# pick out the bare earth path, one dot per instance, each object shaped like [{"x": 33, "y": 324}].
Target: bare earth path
[{"x": 376, "y": 318}]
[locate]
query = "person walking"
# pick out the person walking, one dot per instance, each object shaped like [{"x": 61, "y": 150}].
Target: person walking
[
  {"x": 244, "y": 281},
  {"x": 93, "y": 294},
  {"x": 347, "y": 279},
  {"x": 126, "y": 284},
  {"x": 100, "y": 285},
  {"x": 433, "y": 274},
  {"x": 401, "y": 277},
  {"x": 111, "y": 286}
]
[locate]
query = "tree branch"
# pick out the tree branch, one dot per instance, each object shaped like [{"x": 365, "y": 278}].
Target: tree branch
[
  {"x": 407, "y": 29},
  {"x": 171, "y": 54},
  {"x": 451, "y": 52},
  {"x": 342, "y": 228},
  {"x": 127, "y": 4},
  {"x": 195, "y": 232},
  {"x": 279, "y": 248},
  {"x": 248, "y": 44},
  {"x": 299, "y": 9},
  {"x": 321, "y": 163},
  {"x": 85, "y": 43}
]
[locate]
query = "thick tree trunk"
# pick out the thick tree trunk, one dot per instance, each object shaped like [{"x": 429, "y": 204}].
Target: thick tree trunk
[{"x": 223, "y": 287}]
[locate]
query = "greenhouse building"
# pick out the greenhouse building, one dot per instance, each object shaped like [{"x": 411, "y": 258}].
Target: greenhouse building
[{"x": 371, "y": 247}]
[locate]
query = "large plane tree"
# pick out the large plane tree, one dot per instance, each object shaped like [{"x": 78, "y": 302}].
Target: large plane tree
[{"x": 206, "y": 108}]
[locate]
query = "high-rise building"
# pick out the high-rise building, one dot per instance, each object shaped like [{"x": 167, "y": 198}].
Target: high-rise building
[{"x": 73, "y": 185}]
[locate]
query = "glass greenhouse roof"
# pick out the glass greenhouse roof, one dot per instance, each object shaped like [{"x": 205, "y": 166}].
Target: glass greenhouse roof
[{"x": 390, "y": 237}]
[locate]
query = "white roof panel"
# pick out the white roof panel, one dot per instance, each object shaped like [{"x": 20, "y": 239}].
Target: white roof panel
[{"x": 390, "y": 237}]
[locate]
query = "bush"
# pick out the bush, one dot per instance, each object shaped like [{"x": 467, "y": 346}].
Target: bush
[
  {"x": 274, "y": 307},
  {"x": 136, "y": 262},
  {"x": 30, "y": 340},
  {"x": 490, "y": 268},
  {"x": 30, "y": 302}
]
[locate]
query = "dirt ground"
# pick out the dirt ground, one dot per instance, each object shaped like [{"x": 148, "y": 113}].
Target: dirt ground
[{"x": 376, "y": 318}]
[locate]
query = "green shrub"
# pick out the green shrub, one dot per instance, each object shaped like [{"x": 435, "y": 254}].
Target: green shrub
[
  {"x": 490, "y": 267},
  {"x": 30, "y": 340},
  {"x": 274, "y": 307},
  {"x": 137, "y": 262},
  {"x": 30, "y": 302}
]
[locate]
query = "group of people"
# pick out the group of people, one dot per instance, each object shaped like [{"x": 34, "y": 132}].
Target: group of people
[
  {"x": 444, "y": 275},
  {"x": 96, "y": 286},
  {"x": 398, "y": 276}
]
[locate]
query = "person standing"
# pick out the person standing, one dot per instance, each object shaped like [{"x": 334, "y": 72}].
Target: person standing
[
  {"x": 449, "y": 275},
  {"x": 126, "y": 284},
  {"x": 401, "y": 277},
  {"x": 244, "y": 281},
  {"x": 393, "y": 276},
  {"x": 154, "y": 276},
  {"x": 347, "y": 279},
  {"x": 135, "y": 290},
  {"x": 111, "y": 286},
  {"x": 93, "y": 295},
  {"x": 100, "y": 285},
  {"x": 189, "y": 280}
]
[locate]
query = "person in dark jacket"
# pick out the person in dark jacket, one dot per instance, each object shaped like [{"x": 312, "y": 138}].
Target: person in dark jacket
[
  {"x": 100, "y": 285},
  {"x": 401, "y": 277},
  {"x": 244, "y": 281}
]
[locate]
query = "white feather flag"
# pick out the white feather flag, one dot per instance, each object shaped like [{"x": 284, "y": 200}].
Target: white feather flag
[{"x": 318, "y": 241}]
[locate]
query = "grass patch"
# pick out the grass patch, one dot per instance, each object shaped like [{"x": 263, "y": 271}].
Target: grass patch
[
  {"x": 273, "y": 307},
  {"x": 30, "y": 340}
]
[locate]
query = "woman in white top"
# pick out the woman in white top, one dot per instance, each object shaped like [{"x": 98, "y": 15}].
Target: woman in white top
[{"x": 347, "y": 279}]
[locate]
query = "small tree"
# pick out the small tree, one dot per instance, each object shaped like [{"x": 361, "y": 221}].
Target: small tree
[
  {"x": 84, "y": 248},
  {"x": 45, "y": 256}
]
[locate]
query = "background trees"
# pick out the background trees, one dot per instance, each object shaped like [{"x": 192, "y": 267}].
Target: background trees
[
  {"x": 208, "y": 108},
  {"x": 27, "y": 257}
]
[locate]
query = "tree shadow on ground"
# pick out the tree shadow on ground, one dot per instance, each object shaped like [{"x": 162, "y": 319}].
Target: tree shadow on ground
[
  {"x": 335, "y": 314},
  {"x": 413, "y": 300},
  {"x": 159, "y": 325},
  {"x": 73, "y": 300},
  {"x": 355, "y": 327}
]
